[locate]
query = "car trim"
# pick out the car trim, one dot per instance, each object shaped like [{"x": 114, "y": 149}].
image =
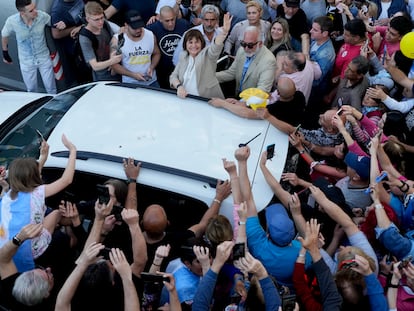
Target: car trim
[
  {"x": 85, "y": 155},
  {"x": 140, "y": 86},
  {"x": 21, "y": 114}
]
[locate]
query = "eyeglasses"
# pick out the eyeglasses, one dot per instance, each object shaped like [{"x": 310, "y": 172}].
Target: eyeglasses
[{"x": 250, "y": 45}]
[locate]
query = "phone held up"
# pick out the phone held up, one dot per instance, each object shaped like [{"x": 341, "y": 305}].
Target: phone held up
[
  {"x": 103, "y": 194},
  {"x": 239, "y": 251},
  {"x": 270, "y": 151}
]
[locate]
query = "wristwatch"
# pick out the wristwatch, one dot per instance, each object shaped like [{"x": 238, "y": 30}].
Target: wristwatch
[
  {"x": 16, "y": 241},
  {"x": 131, "y": 180}
]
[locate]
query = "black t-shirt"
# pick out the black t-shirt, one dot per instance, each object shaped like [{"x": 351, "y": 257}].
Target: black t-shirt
[
  {"x": 292, "y": 111},
  {"x": 297, "y": 23}
]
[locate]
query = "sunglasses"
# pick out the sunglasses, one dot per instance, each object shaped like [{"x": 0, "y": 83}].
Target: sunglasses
[{"x": 249, "y": 45}]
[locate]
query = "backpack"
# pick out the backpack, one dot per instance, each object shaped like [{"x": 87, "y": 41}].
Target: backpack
[{"x": 84, "y": 71}]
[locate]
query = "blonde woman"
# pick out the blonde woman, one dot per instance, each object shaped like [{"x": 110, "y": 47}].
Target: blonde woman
[
  {"x": 279, "y": 36},
  {"x": 254, "y": 13}
]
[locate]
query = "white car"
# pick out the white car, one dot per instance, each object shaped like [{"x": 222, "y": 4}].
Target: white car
[{"x": 180, "y": 142}]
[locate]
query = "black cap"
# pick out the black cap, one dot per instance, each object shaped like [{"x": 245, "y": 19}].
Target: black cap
[
  {"x": 134, "y": 20},
  {"x": 292, "y": 3}
]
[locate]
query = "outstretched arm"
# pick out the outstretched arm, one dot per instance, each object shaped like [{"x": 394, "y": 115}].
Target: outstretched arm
[
  {"x": 334, "y": 211},
  {"x": 67, "y": 176},
  {"x": 242, "y": 154},
  {"x": 121, "y": 265},
  {"x": 283, "y": 126},
  {"x": 66, "y": 293},
  {"x": 7, "y": 266},
  {"x": 223, "y": 190}
]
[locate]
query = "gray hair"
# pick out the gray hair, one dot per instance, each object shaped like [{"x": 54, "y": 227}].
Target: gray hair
[
  {"x": 30, "y": 288},
  {"x": 209, "y": 8},
  {"x": 260, "y": 36}
]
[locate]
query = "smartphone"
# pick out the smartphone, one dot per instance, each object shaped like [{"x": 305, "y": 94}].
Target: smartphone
[
  {"x": 404, "y": 263},
  {"x": 382, "y": 177},
  {"x": 116, "y": 211},
  {"x": 239, "y": 251},
  {"x": 347, "y": 264},
  {"x": 270, "y": 151},
  {"x": 104, "y": 253},
  {"x": 121, "y": 41},
  {"x": 288, "y": 302},
  {"x": 103, "y": 194},
  {"x": 40, "y": 135},
  {"x": 384, "y": 55},
  {"x": 339, "y": 112},
  {"x": 68, "y": 197},
  {"x": 153, "y": 278}
]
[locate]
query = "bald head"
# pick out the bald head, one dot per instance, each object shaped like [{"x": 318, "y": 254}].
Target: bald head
[
  {"x": 286, "y": 87},
  {"x": 155, "y": 221}
]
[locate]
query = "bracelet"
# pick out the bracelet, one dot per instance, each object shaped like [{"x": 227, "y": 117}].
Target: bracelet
[
  {"x": 302, "y": 151},
  {"x": 378, "y": 206},
  {"x": 217, "y": 201},
  {"x": 302, "y": 255},
  {"x": 156, "y": 265},
  {"x": 404, "y": 184},
  {"x": 393, "y": 285},
  {"x": 178, "y": 85},
  {"x": 242, "y": 223},
  {"x": 16, "y": 241}
]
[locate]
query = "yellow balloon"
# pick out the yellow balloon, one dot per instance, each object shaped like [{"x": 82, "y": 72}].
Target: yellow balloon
[{"x": 407, "y": 45}]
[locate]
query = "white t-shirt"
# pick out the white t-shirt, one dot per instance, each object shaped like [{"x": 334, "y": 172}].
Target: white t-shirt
[{"x": 385, "y": 6}]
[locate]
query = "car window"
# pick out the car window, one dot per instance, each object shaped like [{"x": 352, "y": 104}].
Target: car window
[
  {"x": 182, "y": 211},
  {"x": 20, "y": 138}
]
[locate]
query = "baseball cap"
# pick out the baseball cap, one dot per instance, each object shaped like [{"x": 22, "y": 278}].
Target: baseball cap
[
  {"x": 134, "y": 20},
  {"x": 280, "y": 226},
  {"x": 292, "y": 3},
  {"x": 361, "y": 164}
]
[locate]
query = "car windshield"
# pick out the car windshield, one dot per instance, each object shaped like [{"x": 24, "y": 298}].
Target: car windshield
[{"x": 21, "y": 137}]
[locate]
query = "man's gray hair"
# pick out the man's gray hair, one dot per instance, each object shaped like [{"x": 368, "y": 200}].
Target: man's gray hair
[
  {"x": 209, "y": 8},
  {"x": 30, "y": 288},
  {"x": 254, "y": 29}
]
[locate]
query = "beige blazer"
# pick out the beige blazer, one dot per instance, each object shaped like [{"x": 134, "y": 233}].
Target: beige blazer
[
  {"x": 260, "y": 74},
  {"x": 205, "y": 66}
]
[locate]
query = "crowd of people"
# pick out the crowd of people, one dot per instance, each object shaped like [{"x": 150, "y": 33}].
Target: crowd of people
[{"x": 339, "y": 231}]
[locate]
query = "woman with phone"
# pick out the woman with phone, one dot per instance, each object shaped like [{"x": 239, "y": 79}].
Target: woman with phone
[
  {"x": 24, "y": 203},
  {"x": 195, "y": 72}
]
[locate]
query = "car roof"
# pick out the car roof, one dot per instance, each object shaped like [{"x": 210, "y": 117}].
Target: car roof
[{"x": 160, "y": 129}]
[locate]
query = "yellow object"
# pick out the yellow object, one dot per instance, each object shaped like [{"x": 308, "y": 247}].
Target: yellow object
[
  {"x": 255, "y": 98},
  {"x": 407, "y": 45}
]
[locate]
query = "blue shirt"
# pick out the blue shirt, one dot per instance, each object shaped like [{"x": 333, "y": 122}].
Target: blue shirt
[
  {"x": 31, "y": 41},
  {"x": 278, "y": 261},
  {"x": 324, "y": 55}
]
